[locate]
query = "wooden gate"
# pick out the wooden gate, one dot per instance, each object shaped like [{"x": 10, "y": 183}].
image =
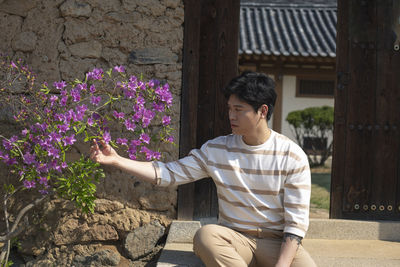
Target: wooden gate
[
  {"x": 210, "y": 61},
  {"x": 366, "y": 156}
]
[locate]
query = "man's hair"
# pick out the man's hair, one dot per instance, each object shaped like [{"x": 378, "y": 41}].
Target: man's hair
[{"x": 253, "y": 88}]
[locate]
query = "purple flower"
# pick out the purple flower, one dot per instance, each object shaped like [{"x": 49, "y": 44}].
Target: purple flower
[
  {"x": 96, "y": 74},
  {"x": 63, "y": 128},
  {"x": 140, "y": 101},
  {"x": 60, "y": 85},
  {"x": 76, "y": 95},
  {"x": 29, "y": 184},
  {"x": 43, "y": 192},
  {"x": 53, "y": 152},
  {"x": 43, "y": 181},
  {"x": 170, "y": 139},
  {"x": 133, "y": 79},
  {"x": 122, "y": 141},
  {"x": 64, "y": 165},
  {"x": 164, "y": 94},
  {"x": 24, "y": 132},
  {"x": 69, "y": 140},
  {"x": 95, "y": 100},
  {"x": 90, "y": 121},
  {"x": 158, "y": 107},
  {"x": 129, "y": 93},
  {"x": 130, "y": 125},
  {"x": 148, "y": 115},
  {"x": 106, "y": 137},
  {"x": 141, "y": 85},
  {"x": 53, "y": 99},
  {"x": 92, "y": 88},
  {"x": 119, "y": 115},
  {"x": 63, "y": 101},
  {"x": 7, "y": 144},
  {"x": 29, "y": 158},
  {"x": 119, "y": 68},
  {"x": 55, "y": 137},
  {"x": 144, "y": 138},
  {"x": 13, "y": 65},
  {"x": 11, "y": 161},
  {"x": 166, "y": 120},
  {"x": 81, "y": 87}
]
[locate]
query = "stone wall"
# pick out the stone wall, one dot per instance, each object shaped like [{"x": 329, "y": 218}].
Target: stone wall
[{"x": 62, "y": 40}]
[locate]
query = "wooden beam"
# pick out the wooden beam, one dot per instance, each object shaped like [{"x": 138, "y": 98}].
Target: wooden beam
[{"x": 190, "y": 88}]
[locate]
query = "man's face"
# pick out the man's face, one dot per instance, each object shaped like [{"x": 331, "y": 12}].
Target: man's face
[{"x": 242, "y": 117}]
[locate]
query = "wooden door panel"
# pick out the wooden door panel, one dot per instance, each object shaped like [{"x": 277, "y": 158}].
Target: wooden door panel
[{"x": 369, "y": 185}]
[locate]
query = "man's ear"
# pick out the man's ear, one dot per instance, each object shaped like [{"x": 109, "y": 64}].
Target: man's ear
[{"x": 264, "y": 110}]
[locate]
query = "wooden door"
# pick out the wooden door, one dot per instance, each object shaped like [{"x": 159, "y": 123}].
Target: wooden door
[
  {"x": 366, "y": 156},
  {"x": 210, "y": 61}
]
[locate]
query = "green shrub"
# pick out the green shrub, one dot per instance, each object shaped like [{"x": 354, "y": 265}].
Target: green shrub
[{"x": 314, "y": 123}]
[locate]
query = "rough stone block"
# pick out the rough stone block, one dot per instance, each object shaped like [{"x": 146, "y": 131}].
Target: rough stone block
[
  {"x": 143, "y": 239},
  {"x": 25, "y": 42},
  {"x": 159, "y": 55},
  {"x": 182, "y": 231},
  {"x": 72, "y": 8},
  {"x": 86, "y": 49}
]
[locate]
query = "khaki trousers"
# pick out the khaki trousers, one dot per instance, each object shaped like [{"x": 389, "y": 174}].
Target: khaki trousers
[{"x": 218, "y": 245}]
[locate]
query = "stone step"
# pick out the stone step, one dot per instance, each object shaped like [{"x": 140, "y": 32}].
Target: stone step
[{"x": 344, "y": 243}]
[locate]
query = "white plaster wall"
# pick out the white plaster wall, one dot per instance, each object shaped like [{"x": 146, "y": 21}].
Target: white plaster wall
[{"x": 290, "y": 103}]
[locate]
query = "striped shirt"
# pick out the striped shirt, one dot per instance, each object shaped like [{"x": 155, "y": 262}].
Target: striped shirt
[{"x": 263, "y": 186}]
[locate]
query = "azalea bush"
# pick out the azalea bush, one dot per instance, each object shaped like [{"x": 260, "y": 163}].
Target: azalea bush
[{"x": 53, "y": 119}]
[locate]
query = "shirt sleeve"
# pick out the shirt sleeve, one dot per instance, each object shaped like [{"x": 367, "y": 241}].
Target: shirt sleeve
[
  {"x": 188, "y": 169},
  {"x": 297, "y": 195}
]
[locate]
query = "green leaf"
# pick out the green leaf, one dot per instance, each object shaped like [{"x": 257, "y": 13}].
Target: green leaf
[{"x": 81, "y": 129}]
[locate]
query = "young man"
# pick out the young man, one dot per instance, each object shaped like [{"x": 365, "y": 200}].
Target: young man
[{"x": 263, "y": 183}]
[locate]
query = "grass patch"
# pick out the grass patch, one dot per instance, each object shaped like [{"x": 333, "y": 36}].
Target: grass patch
[{"x": 320, "y": 190}]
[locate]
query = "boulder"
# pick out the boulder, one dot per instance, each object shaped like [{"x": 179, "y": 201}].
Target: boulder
[
  {"x": 143, "y": 239},
  {"x": 25, "y": 42},
  {"x": 72, "y": 8},
  {"x": 156, "y": 55},
  {"x": 90, "y": 49}
]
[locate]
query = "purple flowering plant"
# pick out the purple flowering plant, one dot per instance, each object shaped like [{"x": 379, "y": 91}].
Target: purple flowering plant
[{"x": 54, "y": 118}]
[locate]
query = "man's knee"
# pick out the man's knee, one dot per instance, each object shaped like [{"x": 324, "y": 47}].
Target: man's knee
[{"x": 204, "y": 237}]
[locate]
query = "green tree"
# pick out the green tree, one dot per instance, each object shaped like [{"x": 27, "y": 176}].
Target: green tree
[{"x": 316, "y": 125}]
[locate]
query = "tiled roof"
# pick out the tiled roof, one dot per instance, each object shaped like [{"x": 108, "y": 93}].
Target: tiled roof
[{"x": 288, "y": 28}]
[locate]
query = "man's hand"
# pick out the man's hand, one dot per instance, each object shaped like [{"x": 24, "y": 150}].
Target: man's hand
[
  {"x": 106, "y": 155},
  {"x": 289, "y": 247}
]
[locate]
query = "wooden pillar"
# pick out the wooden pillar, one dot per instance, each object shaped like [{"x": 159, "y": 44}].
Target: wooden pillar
[{"x": 210, "y": 62}]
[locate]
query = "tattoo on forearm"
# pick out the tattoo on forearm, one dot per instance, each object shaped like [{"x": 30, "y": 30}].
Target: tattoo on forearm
[{"x": 292, "y": 237}]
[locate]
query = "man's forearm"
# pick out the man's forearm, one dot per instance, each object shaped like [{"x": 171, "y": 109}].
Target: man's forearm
[
  {"x": 141, "y": 169},
  {"x": 289, "y": 247}
]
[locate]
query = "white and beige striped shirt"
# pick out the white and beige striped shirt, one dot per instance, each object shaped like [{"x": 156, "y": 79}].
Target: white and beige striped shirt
[{"x": 264, "y": 186}]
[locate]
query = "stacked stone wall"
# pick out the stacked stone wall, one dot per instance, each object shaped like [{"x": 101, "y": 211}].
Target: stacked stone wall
[{"x": 62, "y": 40}]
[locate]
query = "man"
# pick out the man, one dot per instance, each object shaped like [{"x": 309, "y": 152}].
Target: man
[{"x": 262, "y": 178}]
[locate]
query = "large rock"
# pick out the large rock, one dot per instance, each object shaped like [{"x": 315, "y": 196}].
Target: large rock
[
  {"x": 17, "y": 7},
  {"x": 72, "y": 231},
  {"x": 76, "y": 31},
  {"x": 10, "y": 27},
  {"x": 72, "y": 8},
  {"x": 154, "y": 55},
  {"x": 90, "y": 49},
  {"x": 105, "y": 5},
  {"x": 105, "y": 257},
  {"x": 142, "y": 240},
  {"x": 25, "y": 42}
]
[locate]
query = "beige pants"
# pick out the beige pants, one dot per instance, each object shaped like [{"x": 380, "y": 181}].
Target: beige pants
[{"x": 218, "y": 245}]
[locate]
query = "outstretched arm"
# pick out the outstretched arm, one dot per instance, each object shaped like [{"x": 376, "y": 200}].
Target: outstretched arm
[{"x": 106, "y": 155}]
